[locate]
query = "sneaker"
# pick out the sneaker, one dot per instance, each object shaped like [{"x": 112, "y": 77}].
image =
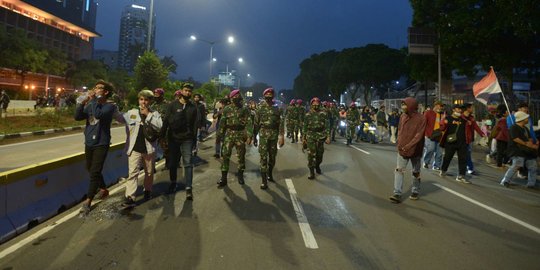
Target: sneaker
[
  {"x": 505, "y": 184},
  {"x": 128, "y": 202},
  {"x": 471, "y": 172},
  {"x": 102, "y": 194},
  {"x": 85, "y": 210},
  {"x": 395, "y": 198},
  {"x": 216, "y": 155},
  {"x": 442, "y": 173},
  {"x": 189, "y": 194},
  {"x": 437, "y": 169},
  {"x": 414, "y": 196},
  {"x": 426, "y": 166},
  {"x": 172, "y": 187},
  {"x": 462, "y": 179},
  {"x": 521, "y": 176}
]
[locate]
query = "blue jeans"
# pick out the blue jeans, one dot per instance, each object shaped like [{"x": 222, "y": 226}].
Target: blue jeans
[
  {"x": 470, "y": 165},
  {"x": 177, "y": 150},
  {"x": 518, "y": 162},
  {"x": 432, "y": 148},
  {"x": 400, "y": 171}
]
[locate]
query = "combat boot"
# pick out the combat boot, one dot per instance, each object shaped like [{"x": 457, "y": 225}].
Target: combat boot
[
  {"x": 318, "y": 169},
  {"x": 223, "y": 181},
  {"x": 270, "y": 177},
  {"x": 311, "y": 174},
  {"x": 241, "y": 177},
  {"x": 264, "y": 184}
]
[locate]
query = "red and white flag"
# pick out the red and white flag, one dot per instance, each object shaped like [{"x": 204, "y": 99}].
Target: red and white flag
[{"x": 487, "y": 86}]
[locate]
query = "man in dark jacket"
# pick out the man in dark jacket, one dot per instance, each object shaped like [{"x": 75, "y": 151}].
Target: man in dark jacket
[
  {"x": 410, "y": 146},
  {"x": 454, "y": 140},
  {"x": 180, "y": 124},
  {"x": 98, "y": 114}
]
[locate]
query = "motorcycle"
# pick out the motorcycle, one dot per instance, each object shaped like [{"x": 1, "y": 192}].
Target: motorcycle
[
  {"x": 342, "y": 128},
  {"x": 370, "y": 132}
]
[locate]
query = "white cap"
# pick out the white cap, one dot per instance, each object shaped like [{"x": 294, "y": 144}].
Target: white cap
[{"x": 520, "y": 116}]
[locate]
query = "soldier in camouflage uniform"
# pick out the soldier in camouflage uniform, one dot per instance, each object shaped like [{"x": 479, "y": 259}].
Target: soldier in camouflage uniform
[
  {"x": 334, "y": 120},
  {"x": 315, "y": 132},
  {"x": 298, "y": 119},
  {"x": 270, "y": 127},
  {"x": 160, "y": 105},
  {"x": 353, "y": 120},
  {"x": 289, "y": 117},
  {"x": 236, "y": 130}
]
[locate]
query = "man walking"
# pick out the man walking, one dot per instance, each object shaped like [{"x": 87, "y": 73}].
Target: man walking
[
  {"x": 353, "y": 118},
  {"x": 410, "y": 144},
  {"x": 4, "y": 103},
  {"x": 98, "y": 114},
  {"x": 270, "y": 127},
  {"x": 235, "y": 130},
  {"x": 470, "y": 128},
  {"x": 315, "y": 132},
  {"x": 454, "y": 140},
  {"x": 523, "y": 151},
  {"x": 433, "y": 135},
  {"x": 180, "y": 124},
  {"x": 382, "y": 123}
]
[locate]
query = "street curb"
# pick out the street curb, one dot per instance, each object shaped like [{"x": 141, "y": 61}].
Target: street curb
[{"x": 39, "y": 132}]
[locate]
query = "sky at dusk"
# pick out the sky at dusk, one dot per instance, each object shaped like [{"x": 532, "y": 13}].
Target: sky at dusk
[{"x": 272, "y": 36}]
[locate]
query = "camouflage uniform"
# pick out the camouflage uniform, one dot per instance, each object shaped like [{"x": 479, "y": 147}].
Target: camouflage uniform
[
  {"x": 268, "y": 124},
  {"x": 353, "y": 118},
  {"x": 290, "y": 118},
  {"x": 235, "y": 127},
  {"x": 298, "y": 121},
  {"x": 315, "y": 131}
]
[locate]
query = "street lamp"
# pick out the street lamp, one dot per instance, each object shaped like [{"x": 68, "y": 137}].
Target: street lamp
[{"x": 230, "y": 39}]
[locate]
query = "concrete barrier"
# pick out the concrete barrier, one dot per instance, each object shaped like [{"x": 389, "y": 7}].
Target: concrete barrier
[{"x": 34, "y": 193}]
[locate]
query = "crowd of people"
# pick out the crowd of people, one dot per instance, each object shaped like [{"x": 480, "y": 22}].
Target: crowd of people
[{"x": 172, "y": 129}]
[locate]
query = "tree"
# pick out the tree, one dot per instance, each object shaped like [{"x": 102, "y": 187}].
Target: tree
[
  {"x": 208, "y": 91},
  {"x": 367, "y": 69},
  {"x": 122, "y": 82},
  {"x": 313, "y": 79},
  {"x": 475, "y": 34},
  {"x": 169, "y": 63},
  {"x": 86, "y": 73},
  {"x": 149, "y": 72},
  {"x": 170, "y": 87}
]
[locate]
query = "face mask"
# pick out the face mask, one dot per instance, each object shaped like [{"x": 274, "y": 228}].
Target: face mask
[
  {"x": 268, "y": 99},
  {"x": 186, "y": 97},
  {"x": 457, "y": 114},
  {"x": 237, "y": 102},
  {"x": 315, "y": 107}
]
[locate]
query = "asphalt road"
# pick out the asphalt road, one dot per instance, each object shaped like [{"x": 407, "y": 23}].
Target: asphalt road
[
  {"x": 17, "y": 155},
  {"x": 347, "y": 221}
]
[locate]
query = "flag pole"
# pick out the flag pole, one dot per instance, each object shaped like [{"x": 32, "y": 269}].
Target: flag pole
[{"x": 504, "y": 99}]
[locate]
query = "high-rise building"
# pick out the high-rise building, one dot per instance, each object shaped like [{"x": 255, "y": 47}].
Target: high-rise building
[
  {"x": 108, "y": 57},
  {"x": 134, "y": 35},
  {"x": 66, "y": 25}
]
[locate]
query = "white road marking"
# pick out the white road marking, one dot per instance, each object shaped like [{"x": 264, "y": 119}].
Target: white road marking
[
  {"x": 307, "y": 234},
  {"x": 363, "y": 151},
  {"x": 491, "y": 209},
  {"x": 50, "y": 139},
  {"x": 46, "y": 229}
]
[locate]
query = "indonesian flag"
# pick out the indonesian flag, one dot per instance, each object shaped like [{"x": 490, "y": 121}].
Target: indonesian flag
[{"x": 487, "y": 86}]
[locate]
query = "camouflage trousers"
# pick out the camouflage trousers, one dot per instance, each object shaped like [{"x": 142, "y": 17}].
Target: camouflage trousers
[
  {"x": 297, "y": 128},
  {"x": 351, "y": 130},
  {"x": 268, "y": 152},
  {"x": 230, "y": 142},
  {"x": 290, "y": 127},
  {"x": 315, "y": 152}
]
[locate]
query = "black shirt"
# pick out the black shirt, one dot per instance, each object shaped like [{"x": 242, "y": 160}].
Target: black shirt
[
  {"x": 457, "y": 125},
  {"x": 515, "y": 149},
  {"x": 181, "y": 121}
]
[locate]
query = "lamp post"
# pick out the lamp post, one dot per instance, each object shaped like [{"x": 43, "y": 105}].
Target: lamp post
[
  {"x": 230, "y": 39},
  {"x": 150, "y": 22}
]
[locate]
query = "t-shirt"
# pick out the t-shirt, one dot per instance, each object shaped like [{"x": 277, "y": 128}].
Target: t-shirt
[
  {"x": 515, "y": 149},
  {"x": 457, "y": 125}
]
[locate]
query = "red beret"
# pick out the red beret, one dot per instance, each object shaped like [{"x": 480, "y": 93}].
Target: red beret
[
  {"x": 268, "y": 90},
  {"x": 234, "y": 93},
  {"x": 292, "y": 102},
  {"x": 298, "y": 101},
  {"x": 315, "y": 99}
]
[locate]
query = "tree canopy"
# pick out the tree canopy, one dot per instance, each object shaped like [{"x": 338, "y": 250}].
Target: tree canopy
[
  {"x": 476, "y": 34},
  {"x": 149, "y": 72}
]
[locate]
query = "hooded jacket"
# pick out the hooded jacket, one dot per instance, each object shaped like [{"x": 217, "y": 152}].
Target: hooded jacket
[{"x": 411, "y": 130}]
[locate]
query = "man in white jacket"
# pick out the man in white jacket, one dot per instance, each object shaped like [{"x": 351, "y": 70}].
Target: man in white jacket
[{"x": 139, "y": 148}]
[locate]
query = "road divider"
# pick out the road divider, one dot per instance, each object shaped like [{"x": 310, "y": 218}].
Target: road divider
[{"x": 34, "y": 193}]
